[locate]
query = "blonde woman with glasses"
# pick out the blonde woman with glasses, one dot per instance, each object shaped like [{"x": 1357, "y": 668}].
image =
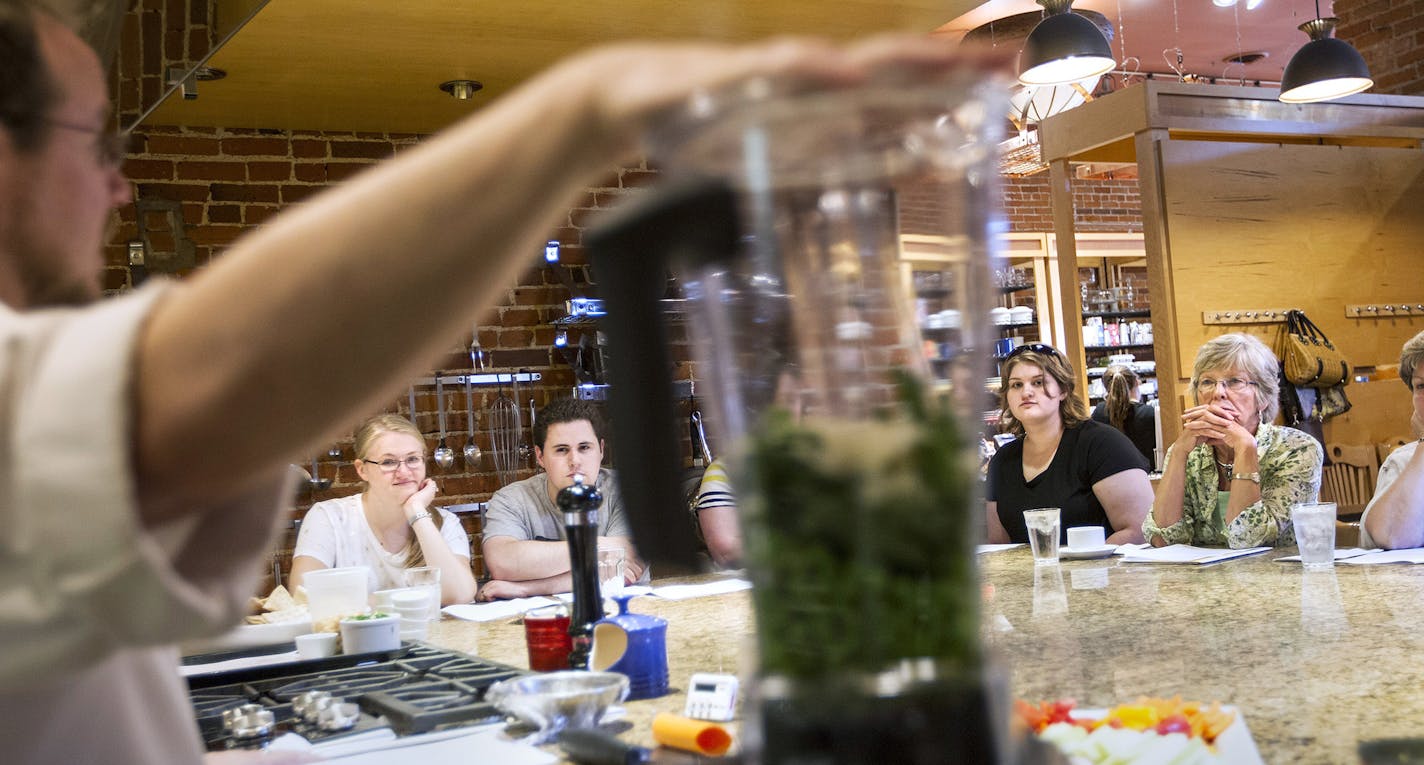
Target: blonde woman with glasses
[
  {"x": 1231, "y": 476},
  {"x": 390, "y": 526}
]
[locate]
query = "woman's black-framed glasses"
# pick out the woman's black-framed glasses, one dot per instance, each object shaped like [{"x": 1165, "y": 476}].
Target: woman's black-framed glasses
[{"x": 389, "y": 465}]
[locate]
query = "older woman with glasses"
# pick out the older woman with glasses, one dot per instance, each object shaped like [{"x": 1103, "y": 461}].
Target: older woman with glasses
[
  {"x": 1063, "y": 459},
  {"x": 1394, "y": 518},
  {"x": 390, "y": 526},
  {"x": 1231, "y": 476}
]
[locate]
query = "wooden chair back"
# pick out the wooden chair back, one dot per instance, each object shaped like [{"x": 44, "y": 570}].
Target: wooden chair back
[
  {"x": 1347, "y": 534},
  {"x": 1387, "y": 447},
  {"x": 1348, "y": 478}
]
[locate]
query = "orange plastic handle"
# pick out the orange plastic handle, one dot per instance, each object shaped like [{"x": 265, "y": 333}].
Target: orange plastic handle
[{"x": 691, "y": 735}]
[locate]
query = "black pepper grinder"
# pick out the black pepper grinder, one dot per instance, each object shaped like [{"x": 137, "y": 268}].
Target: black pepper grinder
[{"x": 580, "y": 504}]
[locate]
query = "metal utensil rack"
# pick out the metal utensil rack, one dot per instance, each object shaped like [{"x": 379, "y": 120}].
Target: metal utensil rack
[{"x": 483, "y": 378}]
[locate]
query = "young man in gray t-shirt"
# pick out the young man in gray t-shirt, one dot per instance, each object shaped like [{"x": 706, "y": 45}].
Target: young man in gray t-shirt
[{"x": 524, "y": 548}]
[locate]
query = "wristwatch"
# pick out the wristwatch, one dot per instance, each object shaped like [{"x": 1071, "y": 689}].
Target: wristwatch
[{"x": 1252, "y": 477}]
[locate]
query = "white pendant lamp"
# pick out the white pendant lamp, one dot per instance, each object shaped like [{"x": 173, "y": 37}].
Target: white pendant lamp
[
  {"x": 1324, "y": 68},
  {"x": 1064, "y": 47}
]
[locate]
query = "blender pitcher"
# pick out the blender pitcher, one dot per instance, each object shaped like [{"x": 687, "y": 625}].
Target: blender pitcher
[{"x": 834, "y": 247}]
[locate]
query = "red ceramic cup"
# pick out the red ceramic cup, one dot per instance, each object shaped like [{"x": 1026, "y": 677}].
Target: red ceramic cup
[{"x": 546, "y": 633}]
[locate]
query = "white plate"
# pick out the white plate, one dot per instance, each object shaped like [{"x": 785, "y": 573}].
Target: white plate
[
  {"x": 1087, "y": 553},
  {"x": 249, "y": 635}
]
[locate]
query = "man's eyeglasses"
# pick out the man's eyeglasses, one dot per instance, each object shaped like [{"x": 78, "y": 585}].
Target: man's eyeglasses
[
  {"x": 1043, "y": 348},
  {"x": 1208, "y": 386},
  {"x": 389, "y": 465},
  {"x": 110, "y": 146}
]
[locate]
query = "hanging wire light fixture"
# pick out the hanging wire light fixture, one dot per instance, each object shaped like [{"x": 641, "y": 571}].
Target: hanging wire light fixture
[
  {"x": 1064, "y": 47},
  {"x": 1324, "y": 68}
]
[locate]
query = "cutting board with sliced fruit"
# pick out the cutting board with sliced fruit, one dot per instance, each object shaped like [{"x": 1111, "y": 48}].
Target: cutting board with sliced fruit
[{"x": 1148, "y": 730}]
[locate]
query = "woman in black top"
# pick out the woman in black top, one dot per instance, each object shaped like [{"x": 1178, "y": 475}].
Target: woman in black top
[
  {"x": 1124, "y": 411},
  {"x": 1062, "y": 459}
]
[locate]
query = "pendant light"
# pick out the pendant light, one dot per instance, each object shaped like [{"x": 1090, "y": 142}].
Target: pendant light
[
  {"x": 1324, "y": 68},
  {"x": 1064, "y": 47}
]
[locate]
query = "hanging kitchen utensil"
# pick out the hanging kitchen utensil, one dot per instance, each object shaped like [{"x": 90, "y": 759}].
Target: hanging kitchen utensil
[
  {"x": 692, "y": 477},
  {"x": 444, "y": 455},
  {"x": 316, "y": 482},
  {"x": 699, "y": 436},
  {"x": 504, "y": 429},
  {"x": 532, "y": 414},
  {"x": 521, "y": 448},
  {"x": 472, "y": 449}
]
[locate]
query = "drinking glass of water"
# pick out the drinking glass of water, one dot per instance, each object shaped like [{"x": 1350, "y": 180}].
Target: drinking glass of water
[
  {"x": 1043, "y": 531},
  {"x": 1315, "y": 534}
]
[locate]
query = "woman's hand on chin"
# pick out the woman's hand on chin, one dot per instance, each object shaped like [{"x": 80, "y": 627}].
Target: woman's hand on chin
[{"x": 421, "y": 499}]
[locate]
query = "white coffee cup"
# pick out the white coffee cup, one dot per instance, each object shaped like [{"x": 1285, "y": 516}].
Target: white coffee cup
[{"x": 1086, "y": 537}]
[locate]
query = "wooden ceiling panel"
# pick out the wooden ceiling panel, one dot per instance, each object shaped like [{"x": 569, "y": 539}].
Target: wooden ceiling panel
[{"x": 339, "y": 65}]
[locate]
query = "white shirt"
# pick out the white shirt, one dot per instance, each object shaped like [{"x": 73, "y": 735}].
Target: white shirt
[
  {"x": 90, "y": 599},
  {"x": 1388, "y": 473},
  {"x": 336, "y": 533}
]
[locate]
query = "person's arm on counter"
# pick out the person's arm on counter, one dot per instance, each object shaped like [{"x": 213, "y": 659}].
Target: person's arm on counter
[
  {"x": 1289, "y": 470},
  {"x": 1126, "y": 497},
  {"x": 1394, "y": 518},
  {"x": 277, "y": 300},
  {"x": 524, "y": 560},
  {"x": 501, "y": 589},
  {"x": 996, "y": 533}
]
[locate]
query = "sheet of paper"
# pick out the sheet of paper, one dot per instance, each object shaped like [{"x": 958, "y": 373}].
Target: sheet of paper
[
  {"x": 1189, "y": 554},
  {"x": 496, "y": 610},
  {"x": 997, "y": 548},
  {"x": 1415, "y": 555},
  {"x": 1343, "y": 553},
  {"x": 685, "y": 591}
]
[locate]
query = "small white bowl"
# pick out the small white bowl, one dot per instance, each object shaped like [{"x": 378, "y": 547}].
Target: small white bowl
[
  {"x": 366, "y": 635},
  {"x": 316, "y": 645}
]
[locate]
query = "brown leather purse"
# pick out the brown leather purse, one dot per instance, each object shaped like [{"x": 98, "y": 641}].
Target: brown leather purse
[{"x": 1311, "y": 360}]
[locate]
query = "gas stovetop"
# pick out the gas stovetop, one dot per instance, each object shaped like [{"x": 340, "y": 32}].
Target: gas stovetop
[{"x": 414, "y": 689}]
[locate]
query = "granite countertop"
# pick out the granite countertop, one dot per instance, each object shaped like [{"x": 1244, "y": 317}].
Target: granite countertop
[
  {"x": 1316, "y": 662},
  {"x": 710, "y": 634}
]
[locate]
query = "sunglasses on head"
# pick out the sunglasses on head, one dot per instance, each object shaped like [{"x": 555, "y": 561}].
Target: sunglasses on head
[{"x": 1035, "y": 347}]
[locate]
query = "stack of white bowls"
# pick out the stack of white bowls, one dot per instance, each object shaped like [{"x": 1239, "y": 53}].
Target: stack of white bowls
[{"x": 413, "y": 605}]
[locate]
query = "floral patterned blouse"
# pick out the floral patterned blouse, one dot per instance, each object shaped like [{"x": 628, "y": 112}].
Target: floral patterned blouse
[{"x": 1290, "y": 473}]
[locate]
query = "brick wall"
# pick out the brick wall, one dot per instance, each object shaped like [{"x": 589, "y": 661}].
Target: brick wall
[
  {"x": 1099, "y": 205},
  {"x": 231, "y": 181},
  {"x": 225, "y": 182},
  {"x": 1390, "y": 35}
]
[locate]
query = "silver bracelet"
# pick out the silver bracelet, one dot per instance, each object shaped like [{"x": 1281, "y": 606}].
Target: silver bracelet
[{"x": 418, "y": 517}]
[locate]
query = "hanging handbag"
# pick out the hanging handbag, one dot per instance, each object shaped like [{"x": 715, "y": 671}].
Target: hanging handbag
[
  {"x": 1311, "y": 359},
  {"x": 1292, "y": 411},
  {"x": 1331, "y": 403}
]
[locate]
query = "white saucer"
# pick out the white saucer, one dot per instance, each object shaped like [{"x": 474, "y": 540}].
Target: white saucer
[{"x": 1087, "y": 553}]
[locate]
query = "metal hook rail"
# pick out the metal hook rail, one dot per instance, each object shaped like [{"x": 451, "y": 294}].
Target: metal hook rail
[
  {"x": 1246, "y": 316},
  {"x": 1384, "y": 310},
  {"x": 483, "y": 378}
]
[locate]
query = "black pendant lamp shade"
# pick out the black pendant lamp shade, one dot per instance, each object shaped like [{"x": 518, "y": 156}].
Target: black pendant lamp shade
[
  {"x": 1324, "y": 68},
  {"x": 1064, "y": 47}
]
